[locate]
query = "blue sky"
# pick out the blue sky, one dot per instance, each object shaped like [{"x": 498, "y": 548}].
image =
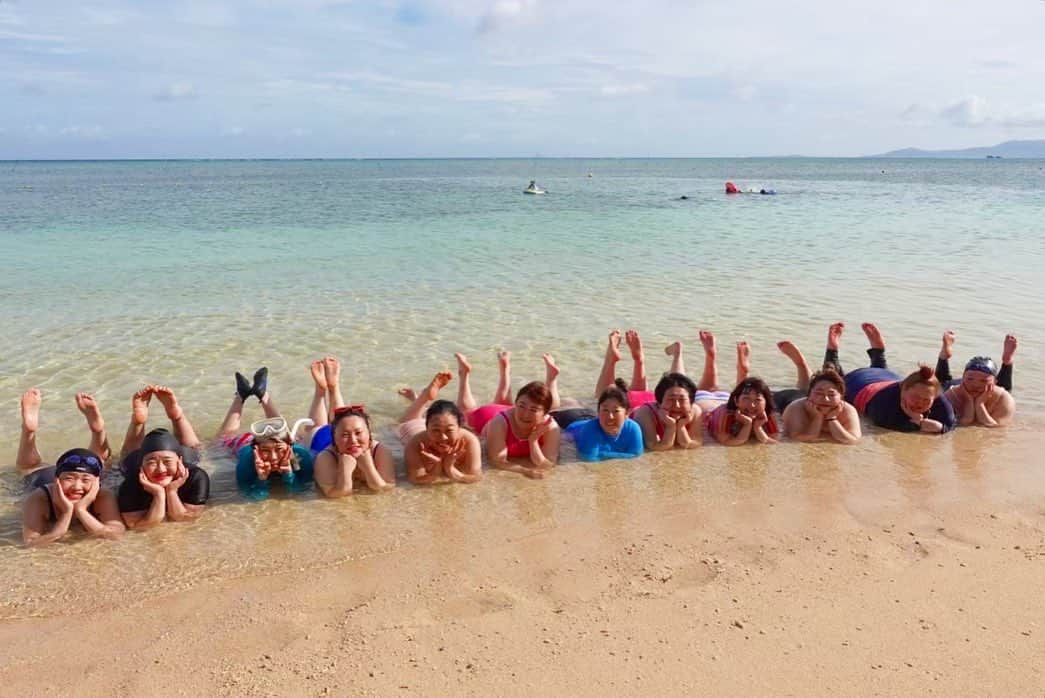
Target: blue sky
[{"x": 336, "y": 78}]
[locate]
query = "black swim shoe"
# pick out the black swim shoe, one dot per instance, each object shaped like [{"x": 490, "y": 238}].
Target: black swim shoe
[
  {"x": 242, "y": 387},
  {"x": 261, "y": 383}
]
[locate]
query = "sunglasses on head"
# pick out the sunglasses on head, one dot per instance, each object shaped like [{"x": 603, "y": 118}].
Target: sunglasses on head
[
  {"x": 353, "y": 409},
  {"x": 76, "y": 459}
]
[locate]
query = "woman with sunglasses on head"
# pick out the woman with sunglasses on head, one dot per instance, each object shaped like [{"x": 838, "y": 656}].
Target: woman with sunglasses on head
[
  {"x": 436, "y": 444},
  {"x": 162, "y": 478},
  {"x": 71, "y": 489},
  {"x": 523, "y": 429},
  {"x": 267, "y": 453},
  {"x": 353, "y": 458}
]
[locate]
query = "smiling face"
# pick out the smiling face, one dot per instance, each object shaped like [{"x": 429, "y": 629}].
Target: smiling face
[
  {"x": 918, "y": 397},
  {"x": 676, "y": 402},
  {"x": 75, "y": 484},
  {"x": 352, "y": 436},
  {"x": 751, "y": 403},
  {"x": 161, "y": 467},
  {"x": 977, "y": 382},
  {"x": 442, "y": 431},
  {"x": 611, "y": 416},
  {"x": 824, "y": 395},
  {"x": 528, "y": 412}
]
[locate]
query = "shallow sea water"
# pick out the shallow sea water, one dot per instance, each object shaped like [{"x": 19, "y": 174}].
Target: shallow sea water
[{"x": 117, "y": 274}]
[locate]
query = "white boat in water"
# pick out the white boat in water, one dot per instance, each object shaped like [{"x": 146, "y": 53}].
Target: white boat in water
[{"x": 532, "y": 188}]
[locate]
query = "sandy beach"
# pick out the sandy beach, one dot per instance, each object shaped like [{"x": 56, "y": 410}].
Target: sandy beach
[{"x": 750, "y": 590}]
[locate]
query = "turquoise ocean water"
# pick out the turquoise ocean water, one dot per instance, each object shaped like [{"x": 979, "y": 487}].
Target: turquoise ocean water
[{"x": 120, "y": 273}]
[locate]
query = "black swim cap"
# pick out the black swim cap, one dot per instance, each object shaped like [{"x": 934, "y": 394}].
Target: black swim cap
[
  {"x": 983, "y": 364},
  {"x": 160, "y": 440},
  {"x": 79, "y": 460}
]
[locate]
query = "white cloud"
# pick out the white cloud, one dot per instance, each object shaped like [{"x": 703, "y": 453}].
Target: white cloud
[
  {"x": 233, "y": 131},
  {"x": 176, "y": 91},
  {"x": 504, "y": 12},
  {"x": 86, "y": 133},
  {"x": 299, "y": 132},
  {"x": 619, "y": 90},
  {"x": 975, "y": 112},
  {"x": 971, "y": 111}
]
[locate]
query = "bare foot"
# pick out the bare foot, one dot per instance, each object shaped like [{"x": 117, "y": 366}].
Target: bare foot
[
  {"x": 319, "y": 374},
  {"x": 947, "y": 347},
  {"x": 140, "y": 405},
  {"x": 613, "y": 345},
  {"x": 408, "y": 393},
  {"x": 463, "y": 367},
  {"x": 31, "y": 400},
  {"x": 707, "y": 339},
  {"x": 89, "y": 408},
  {"x": 634, "y": 344},
  {"x": 834, "y": 335},
  {"x": 437, "y": 383},
  {"x": 744, "y": 356},
  {"x": 504, "y": 358},
  {"x": 1009, "y": 350},
  {"x": 874, "y": 337},
  {"x": 551, "y": 369},
  {"x": 673, "y": 349},
  {"x": 789, "y": 350},
  {"x": 170, "y": 403},
  {"x": 332, "y": 371}
]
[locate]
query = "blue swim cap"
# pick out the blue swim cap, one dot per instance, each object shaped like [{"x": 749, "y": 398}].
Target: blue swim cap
[
  {"x": 79, "y": 460},
  {"x": 983, "y": 364}
]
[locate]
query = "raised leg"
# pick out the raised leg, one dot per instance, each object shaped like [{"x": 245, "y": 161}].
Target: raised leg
[
  {"x": 421, "y": 400},
  {"x": 943, "y": 361},
  {"x": 181, "y": 425},
  {"x": 802, "y": 371},
  {"x": 132, "y": 440},
  {"x": 332, "y": 373},
  {"x": 231, "y": 424},
  {"x": 268, "y": 406},
  {"x": 638, "y": 357},
  {"x": 465, "y": 400},
  {"x": 28, "y": 458},
  {"x": 876, "y": 350},
  {"x": 609, "y": 364},
  {"x": 709, "y": 379},
  {"x": 88, "y": 407},
  {"x": 317, "y": 411},
  {"x": 743, "y": 361},
  {"x": 1007, "y": 354},
  {"x": 834, "y": 338},
  {"x": 503, "y": 396},
  {"x": 674, "y": 350},
  {"x": 551, "y": 379}
]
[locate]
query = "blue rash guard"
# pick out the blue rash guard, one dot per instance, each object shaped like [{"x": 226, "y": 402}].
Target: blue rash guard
[
  {"x": 594, "y": 444},
  {"x": 255, "y": 489}
]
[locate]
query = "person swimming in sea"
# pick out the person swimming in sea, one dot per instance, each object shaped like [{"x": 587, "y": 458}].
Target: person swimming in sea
[
  {"x": 521, "y": 435},
  {"x": 436, "y": 444},
  {"x": 911, "y": 404},
  {"x": 70, "y": 490},
  {"x": 162, "y": 478},
  {"x": 983, "y": 394}
]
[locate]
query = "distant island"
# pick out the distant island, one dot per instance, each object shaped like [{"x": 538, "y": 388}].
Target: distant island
[{"x": 1008, "y": 149}]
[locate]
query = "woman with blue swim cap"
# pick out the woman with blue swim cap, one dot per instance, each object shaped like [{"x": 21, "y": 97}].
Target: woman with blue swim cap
[{"x": 983, "y": 395}]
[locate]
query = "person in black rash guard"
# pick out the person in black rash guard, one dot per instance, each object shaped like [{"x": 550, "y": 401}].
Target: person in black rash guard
[
  {"x": 162, "y": 477},
  {"x": 983, "y": 394},
  {"x": 915, "y": 403}
]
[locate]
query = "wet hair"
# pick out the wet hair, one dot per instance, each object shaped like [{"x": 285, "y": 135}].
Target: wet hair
[
  {"x": 618, "y": 391},
  {"x": 537, "y": 392},
  {"x": 443, "y": 407},
  {"x": 751, "y": 385},
  {"x": 830, "y": 376},
  {"x": 338, "y": 417},
  {"x": 925, "y": 375},
  {"x": 674, "y": 380}
]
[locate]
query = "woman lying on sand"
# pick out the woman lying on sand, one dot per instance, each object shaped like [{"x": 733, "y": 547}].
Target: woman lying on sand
[
  {"x": 912, "y": 404},
  {"x": 523, "y": 429},
  {"x": 162, "y": 478},
  {"x": 265, "y": 454},
  {"x": 984, "y": 394},
  {"x": 71, "y": 489},
  {"x": 436, "y": 445},
  {"x": 611, "y": 434}
]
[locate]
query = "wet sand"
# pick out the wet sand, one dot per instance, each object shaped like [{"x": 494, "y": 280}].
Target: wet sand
[{"x": 900, "y": 567}]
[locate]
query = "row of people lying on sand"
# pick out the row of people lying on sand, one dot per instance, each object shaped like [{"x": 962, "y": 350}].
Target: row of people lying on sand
[{"x": 441, "y": 439}]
